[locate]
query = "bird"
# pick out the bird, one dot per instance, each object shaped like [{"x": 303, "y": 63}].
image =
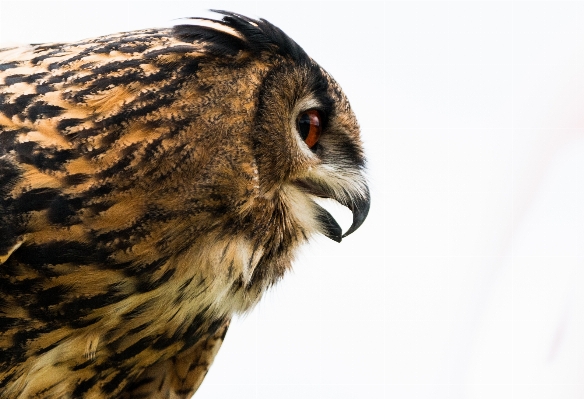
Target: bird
[{"x": 153, "y": 185}]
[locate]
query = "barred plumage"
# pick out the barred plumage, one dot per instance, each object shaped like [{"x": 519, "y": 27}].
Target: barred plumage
[{"x": 152, "y": 184}]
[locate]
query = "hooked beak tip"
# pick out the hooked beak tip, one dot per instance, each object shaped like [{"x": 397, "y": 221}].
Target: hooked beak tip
[{"x": 360, "y": 210}]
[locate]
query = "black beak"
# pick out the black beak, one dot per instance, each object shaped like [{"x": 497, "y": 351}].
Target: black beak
[
  {"x": 331, "y": 228},
  {"x": 359, "y": 207}
]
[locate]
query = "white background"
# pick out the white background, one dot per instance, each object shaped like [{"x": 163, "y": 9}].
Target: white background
[{"x": 466, "y": 281}]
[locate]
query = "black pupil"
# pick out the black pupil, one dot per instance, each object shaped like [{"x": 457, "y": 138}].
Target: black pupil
[{"x": 304, "y": 126}]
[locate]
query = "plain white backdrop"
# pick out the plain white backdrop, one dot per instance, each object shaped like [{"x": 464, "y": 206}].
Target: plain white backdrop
[{"x": 466, "y": 281}]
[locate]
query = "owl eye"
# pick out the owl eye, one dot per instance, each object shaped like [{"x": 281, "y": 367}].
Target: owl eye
[{"x": 310, "y": 127}]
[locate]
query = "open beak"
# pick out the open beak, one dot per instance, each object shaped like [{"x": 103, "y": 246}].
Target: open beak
[{"x": 359, "y": 207}]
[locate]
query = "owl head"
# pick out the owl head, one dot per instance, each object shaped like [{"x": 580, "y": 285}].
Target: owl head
[{"x": 303, "y": 139}]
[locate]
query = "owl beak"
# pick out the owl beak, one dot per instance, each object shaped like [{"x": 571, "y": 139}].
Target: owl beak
[
  {"x": 360, "y": 209},
  {"x": 331, "y": 229}
]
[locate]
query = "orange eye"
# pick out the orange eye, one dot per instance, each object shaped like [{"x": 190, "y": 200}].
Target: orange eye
[{"x": 310, "y": 127}]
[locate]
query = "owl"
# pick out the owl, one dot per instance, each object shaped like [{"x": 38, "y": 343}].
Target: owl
[{"x": 153, "y": 184}]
